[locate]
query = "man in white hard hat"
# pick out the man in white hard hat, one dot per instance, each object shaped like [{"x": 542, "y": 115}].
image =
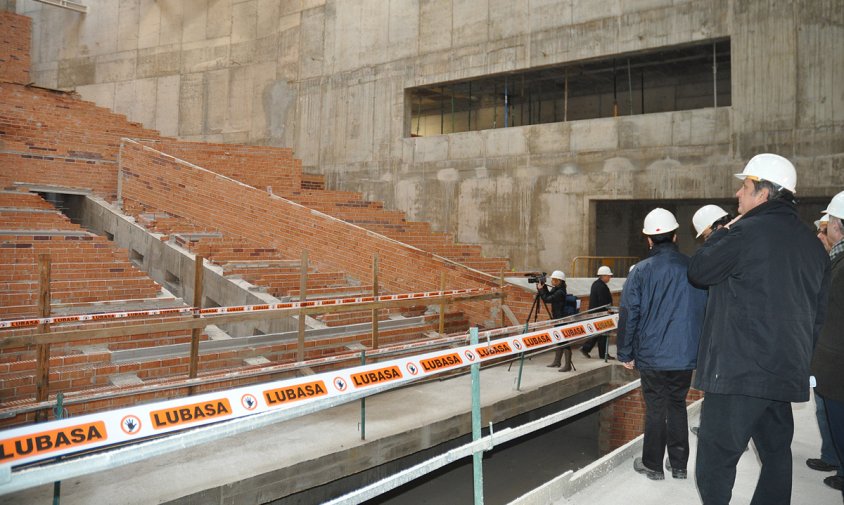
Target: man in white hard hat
[
  {"x": 828, "y": 358},
  {"x": 556, "y": 297},
  {"x": 708, "y": 219},
  {"x": 767, "y": 280},
  {"x": 599, "y": 296},
  {"x": 821, "y": 225},
  {"x": 658, "y": 332}
]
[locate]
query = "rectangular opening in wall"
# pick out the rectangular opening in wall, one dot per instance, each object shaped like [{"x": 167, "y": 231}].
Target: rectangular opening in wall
[
  {"x": 136, "y": 258},
  {"x": 172, "y": 281},
  {"x": 683, "y": 77},
  {"x": 109, "y": 235}
]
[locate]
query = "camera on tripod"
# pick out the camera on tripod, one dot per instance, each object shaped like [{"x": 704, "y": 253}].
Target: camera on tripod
[{"x": 537, "y": 277}]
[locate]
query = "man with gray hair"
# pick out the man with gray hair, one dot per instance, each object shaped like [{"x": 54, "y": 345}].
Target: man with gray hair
[
  {"x": 767, "y": 276},
  {"x": 828, "y": 359}
]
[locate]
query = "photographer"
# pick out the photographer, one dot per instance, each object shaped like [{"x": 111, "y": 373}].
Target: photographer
[{"x": 556, "y": 297}]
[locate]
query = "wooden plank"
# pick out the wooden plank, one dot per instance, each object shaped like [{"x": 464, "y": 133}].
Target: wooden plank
[
  {"x": 303, "y": 286},
  {"x": 42, "y": 351}
]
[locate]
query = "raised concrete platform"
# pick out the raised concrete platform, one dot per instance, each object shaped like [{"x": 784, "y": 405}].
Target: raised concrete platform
[
  {"x": 612, "y": 480},
  {"x": 268, "y": 464}
]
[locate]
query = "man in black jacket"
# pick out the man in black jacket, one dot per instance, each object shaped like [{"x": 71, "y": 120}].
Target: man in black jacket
[
  {"x": 767, "y": 279},
  {"x": 599, "y": 296}
]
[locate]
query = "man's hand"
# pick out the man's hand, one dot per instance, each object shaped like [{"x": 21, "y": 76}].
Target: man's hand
[{"x": 630, "y": 365}]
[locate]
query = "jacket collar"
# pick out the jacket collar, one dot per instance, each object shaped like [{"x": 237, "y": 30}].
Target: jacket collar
[
  {"x": 662, "y": 248},
  {"x": 777, "y": 206}
]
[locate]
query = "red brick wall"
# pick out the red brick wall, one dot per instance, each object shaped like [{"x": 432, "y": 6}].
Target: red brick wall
[
  {"x": 258, "y": 166},
  {"x": 51, "y": 137},
  {"x": 207, "y": 199},
  {"x": 15, "y": 40}
]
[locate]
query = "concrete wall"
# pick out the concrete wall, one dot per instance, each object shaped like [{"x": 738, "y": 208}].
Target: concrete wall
[{"x": 327, "y": 77}]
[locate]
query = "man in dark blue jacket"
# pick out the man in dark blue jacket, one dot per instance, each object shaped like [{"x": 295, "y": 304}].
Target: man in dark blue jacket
[
  {"x": 767, "y": 276},
  {"x": 658, "y": 333}
]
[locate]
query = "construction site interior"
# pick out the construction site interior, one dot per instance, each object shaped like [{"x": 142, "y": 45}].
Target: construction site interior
[{"x": 101, "y": 214}]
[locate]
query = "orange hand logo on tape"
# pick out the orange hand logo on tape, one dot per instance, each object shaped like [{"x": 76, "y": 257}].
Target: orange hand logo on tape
[{"x": 48, "y": 441}]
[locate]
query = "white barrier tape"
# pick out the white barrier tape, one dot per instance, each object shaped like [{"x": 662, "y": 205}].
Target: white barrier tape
[
  {"x": 23, "y": 323},
  {"x": 47, "y": 440}
]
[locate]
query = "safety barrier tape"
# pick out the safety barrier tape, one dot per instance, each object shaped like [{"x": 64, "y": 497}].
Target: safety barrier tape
[
  {"x": 46, "y": 440},
  {"x": 213, "y": 311}
]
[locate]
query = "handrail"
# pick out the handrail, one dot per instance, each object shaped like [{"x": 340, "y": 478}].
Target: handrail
[{"x": 587, "y": 266}]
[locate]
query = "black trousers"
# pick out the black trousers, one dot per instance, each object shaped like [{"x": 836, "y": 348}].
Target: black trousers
[
  {"x": 666, "y": 419},
  {"x": 727, "y": 424},
  {"x": 835, "y": 418},
  {"x": 602, "y": 345}
]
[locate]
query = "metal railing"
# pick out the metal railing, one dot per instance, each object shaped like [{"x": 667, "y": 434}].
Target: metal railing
[{"x": 587, "y": 266}]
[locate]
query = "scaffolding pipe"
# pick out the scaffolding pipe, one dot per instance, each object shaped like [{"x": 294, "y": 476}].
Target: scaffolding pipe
[
  {"x": 506, "y": 104},
  {"x": 566, "y": 97},
  {"x": 478, "y": 455},
  {"x": 714, "y": 76},
  {"x": 629, "y": 87}
]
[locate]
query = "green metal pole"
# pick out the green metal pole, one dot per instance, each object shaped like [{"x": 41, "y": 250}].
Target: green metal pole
[
  {"x": 363, "y": 402},
  {"x": 477, "y": 457},
  {"x": 521, "y": 367},
  {"x": 58, "y": 411}
]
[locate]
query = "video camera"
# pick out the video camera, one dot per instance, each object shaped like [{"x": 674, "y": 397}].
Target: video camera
[{"x": 537, "y": 277}]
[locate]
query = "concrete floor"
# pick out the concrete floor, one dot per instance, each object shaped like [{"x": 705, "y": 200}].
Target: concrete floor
[{"x": 621, "y": 484}]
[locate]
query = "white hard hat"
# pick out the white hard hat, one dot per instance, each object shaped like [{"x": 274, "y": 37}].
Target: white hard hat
[
  {"x": 705, "y": 216},
  {"x": 772, "y": 168},
  {"x": 631, "y": 268},
  {"x": 836, "y": 206},
  {"x": 558, "y": 274},
  {"x": 824, "y": 219},
  {"x": 604, "y": 270},
  {"x": 659, "y": 221}
]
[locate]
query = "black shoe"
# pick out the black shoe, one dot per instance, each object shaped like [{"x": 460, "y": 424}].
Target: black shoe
[
  {"x": 647, "y": 472},
  {"x": 820, "y": 465},
  {"x": 835, "y": 482},
  {"x": 553, "y": 365},
  {"x": 609, "y": 357},
  {"x": 677, "y": 473},
  {"x": 584, "y": 353}
]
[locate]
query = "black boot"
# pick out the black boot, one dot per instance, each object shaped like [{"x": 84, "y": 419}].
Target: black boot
[
  {"x": 558, "y": 355},
  {"x": 568, "y": 367}
]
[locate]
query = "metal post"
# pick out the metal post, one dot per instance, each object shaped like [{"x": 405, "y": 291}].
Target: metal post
[
  {"x": 363, "y": 402},
  {"x": 521, "y": 367},
  {"x": 714, "y": 76},
  {"x": 442, "y": 305},
  {"x": 303, "y": 284},
  {"x": 42, "y": 364},
  {"x": 193, "y": 367},
  {"x": 58, "y": 413},
  {"x": 506, "y": 105},
  {"x": 375, "y": 294},
  {"x": 503, "y": 298},
  {"x": 566, "y": 97},
  {"x": 477, "y": 456}
]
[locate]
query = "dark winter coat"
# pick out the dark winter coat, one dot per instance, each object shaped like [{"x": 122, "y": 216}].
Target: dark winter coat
[
  {"x": 828, "y": 360},
  {"x": 556, "y": 297},
  {"x": 767, "y": 278},
  {"x": 600, "y": 294},
  {"x": 661, "y": 313}
]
